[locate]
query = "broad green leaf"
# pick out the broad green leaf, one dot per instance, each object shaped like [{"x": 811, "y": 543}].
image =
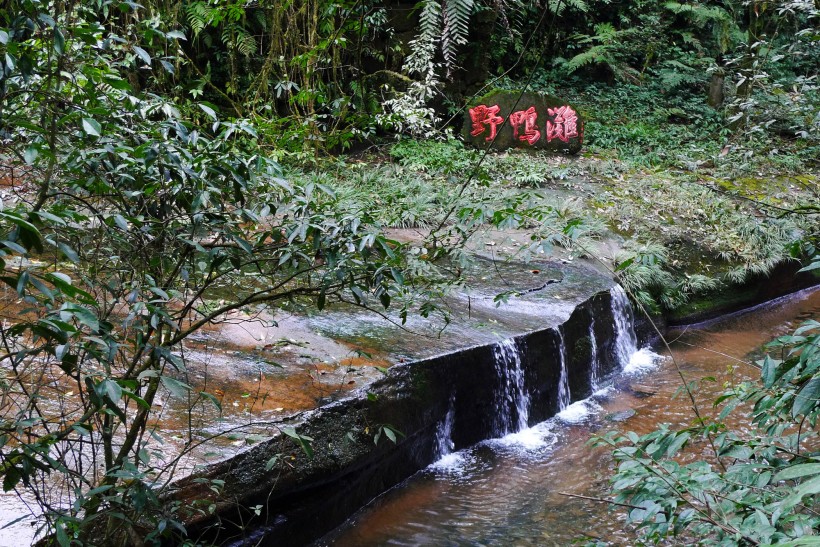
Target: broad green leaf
[
  {"x": 390, "y": 434},
  {"x": 209, "y": 111},
  {"x": 110, "y": 389},
  {"x": 808, "y": 488},
  {"x": 177, "y": 388},
  {"x": 768, "y": 371},
  {"x": 797, "y": 471},
  {"x": 176, "y": 35},
  {"x": 142, "y": 54},
  {"x": 807, "y": 398},
  {"x": 83, "y": 315},
  {"x": 59, "y": 41},
  {"x": 30, "y": 154},
  {"x": 272, "y": 462},
  {"x": 92, "y": 127}
]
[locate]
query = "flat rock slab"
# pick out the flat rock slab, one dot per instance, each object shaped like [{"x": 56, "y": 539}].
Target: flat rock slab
[
  {"x": 511, "y": 119},
  {"x": 265, "y": 367}
]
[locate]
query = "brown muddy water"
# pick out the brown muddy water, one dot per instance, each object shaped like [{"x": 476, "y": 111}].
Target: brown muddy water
[{"x": 510, "y": 491}]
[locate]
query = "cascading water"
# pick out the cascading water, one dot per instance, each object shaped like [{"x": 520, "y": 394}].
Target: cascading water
[
  {"x": 626, "y": 343},
  {"x": 595, "y": 364},
  {"x": 564, "y": 396},
  {"x": 512, "y": 401},
  {"x": 444, "y": 430}
]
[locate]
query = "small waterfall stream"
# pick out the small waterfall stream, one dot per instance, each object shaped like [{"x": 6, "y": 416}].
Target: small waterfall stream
[
  {"x": 513, "y": 493},
  {"x": 512, "y": 400},
  {"x": 595, "y": 365},
  {"x": 626, "y": 343},
  {"x": 444, "y": 431},
  {"x": 564, "y": 395}
]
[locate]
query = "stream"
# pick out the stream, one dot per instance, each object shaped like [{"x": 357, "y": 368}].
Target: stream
[{"x": 511, "y": 490}]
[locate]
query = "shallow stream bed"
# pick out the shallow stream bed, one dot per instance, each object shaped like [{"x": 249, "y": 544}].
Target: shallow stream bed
[{"x": 511, "y": 491}]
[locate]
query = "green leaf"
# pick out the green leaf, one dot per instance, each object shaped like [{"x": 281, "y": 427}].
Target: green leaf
[
  {"x": 92, "y": 127},
  {"x": 30, "y": 154},
  {"x": 121, "y": 223},
  {"x": 175, "y": 387},
  {"x": 390, "y": 434},
  {"x": 797, "y": 471},
  {"x": 83, "y": 315},
  {"x": 805, "y": 541},
  {"x": 62, "y": 536},
  {"x": 808, "y": 488},
  {"x": 624, "y": 265},
  {"x": 11, "y": 476},
  {"x": 211, "y": 397},
  {"x": 59, "y": 41},
  {"x": 769, "y": 371},
  {"x": 69, "y": 253},
  {"x": 813, "y": 266},
  {"x": 142, "y": 54},
  {"x": 807, "y": 398},
  {"x": 272, "y": 462},
  {"x": 209, "y": 111},
  {"x": 109, "y": 389},
  {"x": 176, "y": 35},
  {"x": 301, "y": 440}
]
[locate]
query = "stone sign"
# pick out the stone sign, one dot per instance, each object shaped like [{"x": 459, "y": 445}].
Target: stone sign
[{"x": 529, "y": 120}]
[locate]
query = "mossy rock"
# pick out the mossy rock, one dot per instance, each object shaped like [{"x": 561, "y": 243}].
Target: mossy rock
[{"x": 524, "y": 120}]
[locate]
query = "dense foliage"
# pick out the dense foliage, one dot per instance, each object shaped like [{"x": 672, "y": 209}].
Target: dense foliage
[{"x": 761, "y": 486}]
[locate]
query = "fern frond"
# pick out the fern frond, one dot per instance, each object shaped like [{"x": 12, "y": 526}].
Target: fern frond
[
  {"x": 198, "y": 16},
  {"x": 595, "y": 54},
  {"x": 429, "y": 21},
  {"x": 456, "y": 18},
  {"x": 699, "y": 13}
]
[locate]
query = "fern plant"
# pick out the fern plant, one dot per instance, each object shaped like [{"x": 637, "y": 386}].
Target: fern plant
[{"x": 444, "y": 22}]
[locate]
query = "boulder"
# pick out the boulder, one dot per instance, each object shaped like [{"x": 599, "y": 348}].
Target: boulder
[{"x": 510, "y": 119}]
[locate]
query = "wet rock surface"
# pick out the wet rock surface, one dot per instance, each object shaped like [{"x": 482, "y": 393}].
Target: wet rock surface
[{"x": 432, "y": 374}]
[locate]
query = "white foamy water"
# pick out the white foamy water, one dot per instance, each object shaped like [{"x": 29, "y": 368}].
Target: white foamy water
[
  {"x": 605, "y": 392},
  {"x": 564, "y": 396},
  {"x": 579, "y": 411},
  {"x": 444, "y": 430},
  {"x": 540, "y": 435},
  {"x": 642, "y": 361},
  {"x": 625, "y": 340},
  {"x": 512, "y": 402},
  {"x": 450, "y": 463}
]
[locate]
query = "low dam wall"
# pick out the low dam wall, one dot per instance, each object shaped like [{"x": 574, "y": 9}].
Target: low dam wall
[{"x": 275, "y": 494}]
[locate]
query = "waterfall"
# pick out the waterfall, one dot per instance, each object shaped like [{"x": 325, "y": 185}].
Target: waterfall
[
  {"x": 594, "y": 365},
  {"x": 444, "y": 430},
  {"x": 626, "y": 343},
  {"x": 512, "y": 401},
  {"x": 564, "y": 397}
]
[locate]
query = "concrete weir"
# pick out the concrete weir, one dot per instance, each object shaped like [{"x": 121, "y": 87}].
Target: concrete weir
[{"x": 510, "y": 366}]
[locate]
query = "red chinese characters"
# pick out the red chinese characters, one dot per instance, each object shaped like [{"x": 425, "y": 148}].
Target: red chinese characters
[
  {"x": 564, "y": 125},
  {"x": 483, "y": 116},
  {"x": 527, "y": 117}
]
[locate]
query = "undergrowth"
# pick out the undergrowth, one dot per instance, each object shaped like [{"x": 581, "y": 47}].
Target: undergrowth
[{"x": 695, "y": 209}]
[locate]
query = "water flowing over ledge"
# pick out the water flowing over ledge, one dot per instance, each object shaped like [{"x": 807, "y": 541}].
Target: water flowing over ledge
[{"x": 440, "y": 404}]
